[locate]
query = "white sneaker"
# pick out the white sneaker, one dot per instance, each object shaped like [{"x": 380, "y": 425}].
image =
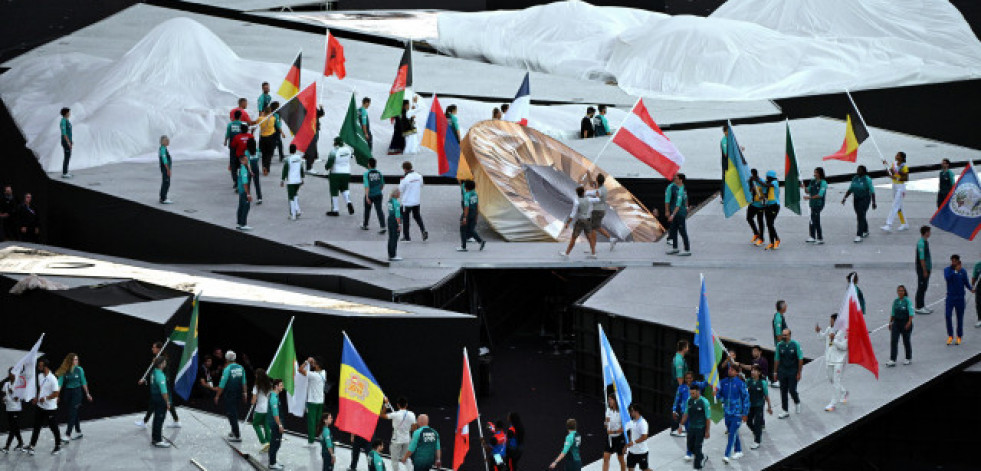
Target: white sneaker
[
  {"x": 613, "y": 243},
  {"x": 245, "y": 228},
  {"x": 857, "y": 239},
  {"x": 591, "y": 256},
  {"x": 776, "y": 384},
  {"x": 783, "y": 415},
  {"x": 166, "y": 202},
  {"x": 395, "y": 259},
  {"x": 461, "y": 249},
  {"x": 472, "y": 240},
  {"x": 797, "y": 408},
  {"x": 886, "y": 228},
  {"x": 725, "y": 459},
  {"x": 563, "y": 254},
  {"x": 922, "y": 310},
  {"x": 737, "y": 455},
  {"x": 685, "y": 253},
  {"x": 276, "y": 466},
  {"x": 819, "y": 242},
  {"x": 162, "y": 445},
  {"x": 672, "y": 251},
  {"x": 689, "y": 457},
  {"x": 907, "y": 362},
  {"x": 140, "y": 424},
  {"x": 903, "y": 227},
  {"x": 829, "y": 408},
  {"x": 928, "y": 310},
  {"x": 890, "y": 363},
  {"x": 810, "y": 240},
  {"x": 174, "y": 425},
  {"x": 754, "y": 445},
  {"x": 977, "y": 324},
  {"x": 67, "y": 175}
]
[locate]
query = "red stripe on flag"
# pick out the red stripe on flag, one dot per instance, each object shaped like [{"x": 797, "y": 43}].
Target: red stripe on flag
[
  {"x": 646, "y": 153},
  {"x": 843, "y": 153},
  {"x": 355, "y": 418}
]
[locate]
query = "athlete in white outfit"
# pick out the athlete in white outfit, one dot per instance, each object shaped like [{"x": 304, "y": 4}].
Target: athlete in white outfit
[
  {"x": 835, "y": 356},
  {"x": 339, "y": 166},
  {"x": 293, "y": 178},
  {"x": 417, "y": 110},
  {"x": 900, "y": 175}
]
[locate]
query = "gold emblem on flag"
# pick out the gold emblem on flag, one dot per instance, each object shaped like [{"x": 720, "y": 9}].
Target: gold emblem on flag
[{"x": 355, "y": 387}]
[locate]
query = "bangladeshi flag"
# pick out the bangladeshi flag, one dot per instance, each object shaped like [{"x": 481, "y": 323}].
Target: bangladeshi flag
[
  {"x": 291, "y": 84},
  {"x": 791, "y": 186},
  {"x": 300, "y": 115},
  {"x": 403, "y": 80}
]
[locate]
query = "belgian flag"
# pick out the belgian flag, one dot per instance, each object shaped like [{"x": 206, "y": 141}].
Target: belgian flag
[
  {"x": 855, "y": 135},
  {"x": 291, "y": 84},
  {"x": 403, "y": 80},
  {"x": 300, "y": 115}
]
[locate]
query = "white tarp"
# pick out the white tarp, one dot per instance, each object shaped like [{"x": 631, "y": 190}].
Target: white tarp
[
  {"x": 182, "y": 80},
  {"x": 746, "y": 50}
]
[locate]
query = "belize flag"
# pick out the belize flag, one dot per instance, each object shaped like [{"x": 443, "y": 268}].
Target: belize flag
[
  {"x": 442, "y": 140},
  {"x": 521, "y": 106},
  {"x": 360, "y": 398},
  {"x": 960, "y": 213}
]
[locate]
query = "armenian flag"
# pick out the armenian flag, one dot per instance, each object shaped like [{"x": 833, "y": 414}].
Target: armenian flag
[
  {"x": 300, "y": 115},
  {"x": 735, "y": 190},
  {"x": 403, "y": 81},
  {"x": 360, "y": 398},
  {"x": 855, "y": 134},
  {"x": 465, "y": 414},
  {"x": 291, "y": 84},
  {"x": 442, "y": 140}
]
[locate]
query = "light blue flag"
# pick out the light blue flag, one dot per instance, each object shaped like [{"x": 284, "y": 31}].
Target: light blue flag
[
  {"x": 613, "y": 374},
  {"x": 735, "y": 188}
]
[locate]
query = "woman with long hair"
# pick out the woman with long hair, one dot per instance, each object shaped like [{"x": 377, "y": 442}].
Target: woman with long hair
[
  {"x": 260, "y": 399},
  {"x": 14, "y": 407},
  {"x": 901, "y": 325},
  {"x": 326, "y": 442},
  {"x": 516, "y": 440},
  {"x": 815, "y": 196},
  {"x": 71, "y": 380}
]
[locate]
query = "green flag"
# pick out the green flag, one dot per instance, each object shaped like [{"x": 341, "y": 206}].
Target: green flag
[
  {"x": 791, "y": 186},
  {"x": 283, "y": 365},
  {"x": 179, "y": 335},
  {"x": 352, "y": 135}
]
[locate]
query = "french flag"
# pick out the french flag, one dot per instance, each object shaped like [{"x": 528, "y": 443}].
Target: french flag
[
  {"x": 518, "y": 111},
  {"x": 642, "y": 138}
]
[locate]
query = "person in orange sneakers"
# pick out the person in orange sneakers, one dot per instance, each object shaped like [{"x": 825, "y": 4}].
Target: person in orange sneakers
[
  {"x": 754, "y": 212},
  {"x": 771, "y": 192},
  {"x": 957, "y": 281}
]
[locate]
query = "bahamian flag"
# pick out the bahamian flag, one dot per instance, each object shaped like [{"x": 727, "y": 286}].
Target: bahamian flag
[
  {"x": 187, "y": 370},
  {"x": 613, "y": 374},
  {"x": 791, "y": 175},
  {"x": 710, "y": 351},
  {"x": 735, "y": 189},
  {"x": 960, "y": 213},
  {"x": 360, "y": 399}
]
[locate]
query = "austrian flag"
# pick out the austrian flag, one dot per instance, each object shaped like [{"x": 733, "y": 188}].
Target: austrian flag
[{"x": 642, "y": 138}]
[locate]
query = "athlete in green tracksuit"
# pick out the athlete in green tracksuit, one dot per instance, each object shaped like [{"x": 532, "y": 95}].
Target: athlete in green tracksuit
[
  {"x": 424, "y": 447},
  {"x": 570, "y": 450}
]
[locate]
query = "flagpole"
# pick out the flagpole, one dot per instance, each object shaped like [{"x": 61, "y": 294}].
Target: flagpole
[
  {"x": 271, "y": 362},
  {"x": 624, "y": 120},
  {"x": 609, "y": 440},
  {"x": 154, "y": 358},
  {"x": 480, "y": 429},
  {"x": 885, "y": 163}
]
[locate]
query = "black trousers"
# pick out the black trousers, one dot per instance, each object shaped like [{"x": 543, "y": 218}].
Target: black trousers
[
  {"x": 159, "y": 413},
  {"x": 231, "y": 411},
  {"x": 267, "y": 145},
  {"x": 977, "y": 306},
  {"x": 469, "y": 229},
  {"x": 678, "y": 226},
  {"x": 233, "y": 165},
  {"x": 861, "y": 206},
  {"x": 788, "y": 385},
  {"x": 754, "y": 216},
  {"x": 898, "y": 330},
  {"x": 44, "y": 417},
  {"x": 68, "y": 156},
  {"x": 164, "y": 184},
  {"x": 755, "y": 422},
  {"x": 375, "y": 201},
  {"x": 275, "y": 441},
  {"x": 13, "y": 428},
  {"x": 173, "y": 409},
  {"x": 922, "y": 282},
  {"x": 279, "y": 145},
  {"x": 771, "y": 212},
  {"x": 815, "y": 225},
  {"x": 695, "y": 438},
  {"x": 393, "y": 237},
  {"x": 414, "y": 212},
  {"x": 359, "y": 446}
]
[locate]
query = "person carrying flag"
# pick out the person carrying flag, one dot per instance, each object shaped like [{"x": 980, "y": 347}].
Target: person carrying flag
[
  {"x": 957, "y": 280},
  {"x": 402, "y": 421},
  {"x": 771, "y": 195},
  {"x": 570, "y": 449},
  {"x": 232, "y": 385},
  {"x": 899, "y": 173},
  {"x": 316, "y": 378},
  {"x": 424, "y": 447},
  {"x": 835, "y": 357},
  {"x": 946, "y": 181},
  {"x": 155, "y": 351},
  {"x": 615, "y": 442},
  {"x": 734, "y": 397}
]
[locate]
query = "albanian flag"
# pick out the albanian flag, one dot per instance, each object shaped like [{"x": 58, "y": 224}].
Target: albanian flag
[{"x": 334, "y": 64}]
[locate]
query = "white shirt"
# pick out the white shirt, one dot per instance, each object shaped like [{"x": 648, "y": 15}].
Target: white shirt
[
  {"x": 614, "y": 423},
  {"x": 48, "y": 384},
  {"x": 581, "y": 208},
  {"x": 411, "y": 189},
  {"x": 835, "y": 351},
  {"x": 637, "y": 428},
  {"x": 261, "y": 401},
  {"x": 294, "y": 176},
  {"x": 315, "y": 386},
  {"x": 342, "y": 159},
  {"x": 12, "y": 403},
  {"x": 598, "y": 198},
  {"x": 401, "y": 424}
]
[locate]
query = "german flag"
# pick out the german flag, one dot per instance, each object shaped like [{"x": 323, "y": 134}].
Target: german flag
[
  {"x": 300, "y": 115},
  {"x": 291, "y": 84},
  {"x": 403, "y": 80},
  {"x": 855, "y": 135}
]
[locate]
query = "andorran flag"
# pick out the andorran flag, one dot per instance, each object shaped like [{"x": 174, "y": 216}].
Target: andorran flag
[
  {"x": 291, "y": 84},
  {"x": 855, "y": 135},
  {"x": 360, "y": 399},
  {"x": 442, "y": 140},
  {"x": 960, "y": 213},
  {"x": 403, "y": 80},
  {"x": 300, "y": 115}
]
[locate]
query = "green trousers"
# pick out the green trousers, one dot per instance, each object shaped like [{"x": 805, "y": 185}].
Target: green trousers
[
  {"x": 261, "y": 427},
  {"x": 314, "y": 412}
]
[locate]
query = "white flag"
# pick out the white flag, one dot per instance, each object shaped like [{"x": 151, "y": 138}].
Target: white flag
[
  {"x": 25, "y": 374},
  {"x": 298, "y": 400}
]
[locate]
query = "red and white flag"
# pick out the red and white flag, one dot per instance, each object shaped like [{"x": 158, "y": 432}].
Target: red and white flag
[
  {"x": 642, "y": 138},
  {"x": 466, "y": 413},
  {"x": 852, "y": 320},
  {"x": 521, "y": 106},
  {"x": 25, "y": 374}
]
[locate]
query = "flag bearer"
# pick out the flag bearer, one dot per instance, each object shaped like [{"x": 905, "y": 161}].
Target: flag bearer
[
  {"x": 835, "y": 355},
  {"x": 615, "y": 442},
  {"x": 699, "y": 421},
  {"x": 899, "y": 173},
  {"x": 46, "y": 404},
  {"x": 293, "y": 178},
  {"x": 424, "y": 447},
  {"x": 957, "y": 280},
  {"x": 735, "y": 398},
  {"x": 570, "y": 449},
  {"x": 316, "y": 378},
  {"x": 233, "y": 387}
]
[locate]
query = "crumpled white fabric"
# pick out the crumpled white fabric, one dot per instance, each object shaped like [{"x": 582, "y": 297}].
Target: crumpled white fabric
[
  {"x": 33, "y": 281},
  {"x": 746, "y": 50}
]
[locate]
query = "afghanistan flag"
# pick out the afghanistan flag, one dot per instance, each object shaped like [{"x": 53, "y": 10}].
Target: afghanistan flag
[
  {"x": 791, "y": 177},
  {"x": 187, "y": 370},
  {"x": 352, "y": 134},
  {"x": 291, "y": 84},
  {"x": 855, "y": 135},
  {"x": 334, "y": 64},
  {"x": 442, "y": 140},
  {"x": 360, "y": 398},
  {"x": 403, "y": 80},
  {"x": 300, "y": 115},
  {"x": 960, "y": 213}
]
